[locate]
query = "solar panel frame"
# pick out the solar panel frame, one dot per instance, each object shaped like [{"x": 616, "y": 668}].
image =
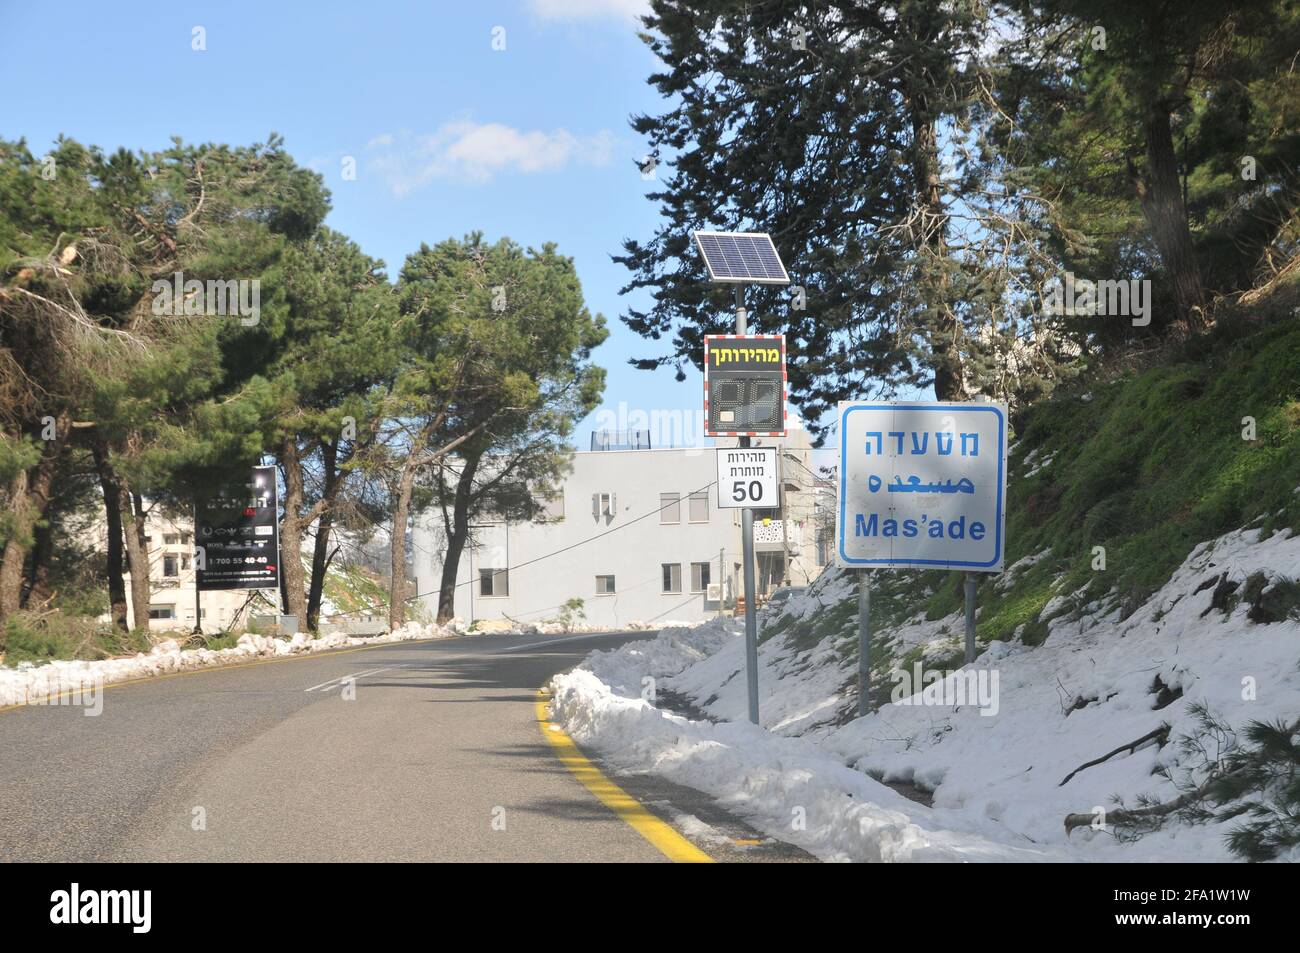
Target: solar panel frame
[{"x": 741, "y": 258}]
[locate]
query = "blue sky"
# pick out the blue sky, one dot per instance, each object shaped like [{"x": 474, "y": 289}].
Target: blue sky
[{"x": 448, "y": 134}]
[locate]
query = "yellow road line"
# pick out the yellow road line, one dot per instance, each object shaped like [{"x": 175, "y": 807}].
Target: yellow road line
[
  {"x": 661, "y": 835},
  {"x": 207, "y": 670}
]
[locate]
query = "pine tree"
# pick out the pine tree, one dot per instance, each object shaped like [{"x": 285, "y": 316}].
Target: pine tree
[
  {"x": 824, "y": 125},
  {"x": 499, "y": 339}
]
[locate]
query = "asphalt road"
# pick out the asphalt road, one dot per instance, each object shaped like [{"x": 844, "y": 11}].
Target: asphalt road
[{"x": 439, "y": 757}]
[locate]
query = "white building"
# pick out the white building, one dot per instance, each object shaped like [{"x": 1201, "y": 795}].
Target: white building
[{"x": 637, "y": 535}]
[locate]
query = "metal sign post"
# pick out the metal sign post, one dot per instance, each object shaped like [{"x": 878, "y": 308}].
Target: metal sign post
[
  {"x": 749, "y": 478},
  {"x": 970, "y": 617},
  {"x": 864, "y": 641},
  {"x": 746, "y": 544},
  {"x": 751, "y": 617},
  {"x": 744, "y": 391}
]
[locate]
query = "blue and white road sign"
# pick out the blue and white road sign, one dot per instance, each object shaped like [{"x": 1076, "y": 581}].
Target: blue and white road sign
[{"x": 923, "y": 486}]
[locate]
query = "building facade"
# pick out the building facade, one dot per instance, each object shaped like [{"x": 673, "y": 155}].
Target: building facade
[{"x": 636, "y": 535}]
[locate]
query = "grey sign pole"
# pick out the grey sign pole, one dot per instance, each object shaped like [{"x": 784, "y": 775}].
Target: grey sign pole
[
  {"x": 751, "y": 622},
  {"x": 970, "y": 617},
  {"x": 747, "y": 554},
  {"x": 864, "y": 642}
]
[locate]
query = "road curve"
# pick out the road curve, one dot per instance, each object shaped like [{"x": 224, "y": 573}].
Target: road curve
[{"x": 438, "y": 757}]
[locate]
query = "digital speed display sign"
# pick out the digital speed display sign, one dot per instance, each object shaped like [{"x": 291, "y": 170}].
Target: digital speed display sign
[{"x": 744, "y": 385}]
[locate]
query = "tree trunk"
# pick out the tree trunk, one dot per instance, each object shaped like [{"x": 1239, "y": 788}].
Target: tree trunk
[
  {"x": 113, "y": 518},
  {"x": 295, "y": 602},
  {"x": 457, "y": 536},
  {"x": 29, "y": 498},
  {"x": 137, "y": 556},
  {"x": 397, "y": 582},
  {"x": 932, "y": 248},
  {"x": 320, "y": 551},
  {"x": 38, "y": 579},
  {"x": 1161, "y": 197}
]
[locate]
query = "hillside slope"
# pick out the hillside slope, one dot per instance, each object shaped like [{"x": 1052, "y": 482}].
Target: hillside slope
[{"x": 1149, "y": 621}]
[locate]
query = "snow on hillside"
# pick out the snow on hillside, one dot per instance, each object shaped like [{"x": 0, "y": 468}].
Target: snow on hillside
[{"x": 994, "y": 770}]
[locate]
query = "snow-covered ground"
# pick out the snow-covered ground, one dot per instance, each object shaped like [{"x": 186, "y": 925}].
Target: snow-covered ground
[{"x": 994, "y": 765}]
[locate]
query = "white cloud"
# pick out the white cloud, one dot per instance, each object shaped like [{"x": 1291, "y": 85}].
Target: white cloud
[
  {"x": 475, "y": 152},
  {"x": 588, "y": 9}
]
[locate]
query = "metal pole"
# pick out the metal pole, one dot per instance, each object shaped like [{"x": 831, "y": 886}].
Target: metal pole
[
  {"x": 747, "y": 554},
  {"x": 970, "y": 617},
  {"x": 751, "y": 621},
  {"x": 864, "y": 642},
  {"x": 194, "y": 562}
]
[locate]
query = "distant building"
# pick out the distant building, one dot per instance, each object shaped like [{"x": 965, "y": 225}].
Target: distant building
[{"x": 637, "y": 535}]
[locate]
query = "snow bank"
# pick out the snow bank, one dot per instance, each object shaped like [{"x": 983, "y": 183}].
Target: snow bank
[
  {"x": 29, "y": 683},
  {"x": 995, "y": 774},
  {"x": 786, "y": 787}
]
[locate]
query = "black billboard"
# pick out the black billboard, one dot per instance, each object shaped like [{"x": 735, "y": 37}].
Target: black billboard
[
  {"x": 237, "y": 535},
  {"x": 744, "y": 385}
]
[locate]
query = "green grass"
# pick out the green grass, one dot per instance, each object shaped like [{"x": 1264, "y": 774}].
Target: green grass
[
  {"x": 226, "y": 640},
  {"x": 1155, "y": 463},
  {"x": 30, "y": 638}
]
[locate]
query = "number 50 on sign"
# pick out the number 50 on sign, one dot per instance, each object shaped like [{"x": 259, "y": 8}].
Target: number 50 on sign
[{"x": 747, "y": 478}]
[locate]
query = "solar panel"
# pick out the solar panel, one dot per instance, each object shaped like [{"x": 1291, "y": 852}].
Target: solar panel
[{"x": 741, "y": 257}]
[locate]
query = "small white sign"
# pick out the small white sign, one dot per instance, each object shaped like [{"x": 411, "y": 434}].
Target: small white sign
[
  {"x": 747, "y": 478},
  {"x": 923, "y": 485}
]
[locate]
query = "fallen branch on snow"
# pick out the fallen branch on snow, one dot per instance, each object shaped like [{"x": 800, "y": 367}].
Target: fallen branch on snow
[{"x": 1160, "y": 735}]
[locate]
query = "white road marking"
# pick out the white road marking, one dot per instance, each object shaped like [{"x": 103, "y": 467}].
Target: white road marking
[
  {"x": 336, "y": 682},
  {"x": 568, "y": 638}
]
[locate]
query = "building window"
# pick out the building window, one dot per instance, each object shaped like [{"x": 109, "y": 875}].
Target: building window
[
  {"x": 824, "y": 537},
  {"x": 171, "y": 539},
  {"x": 493, "y": 582},
  {"x": 605, "y": 585},
  {"x": 670, "y": 507},
  {"x": 603, "y": 504},
  {"x": 699, "y": 507},
  {"x": 672, "y": 577},
  {"x": 185, "y": 562},
  {"x": 162, "y": 612},
  {"x": 169, "y": 567},
  {"x": 699, "y": 577}
]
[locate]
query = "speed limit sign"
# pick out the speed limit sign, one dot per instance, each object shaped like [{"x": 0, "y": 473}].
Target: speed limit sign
[{"x": 747, "y": 478}]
